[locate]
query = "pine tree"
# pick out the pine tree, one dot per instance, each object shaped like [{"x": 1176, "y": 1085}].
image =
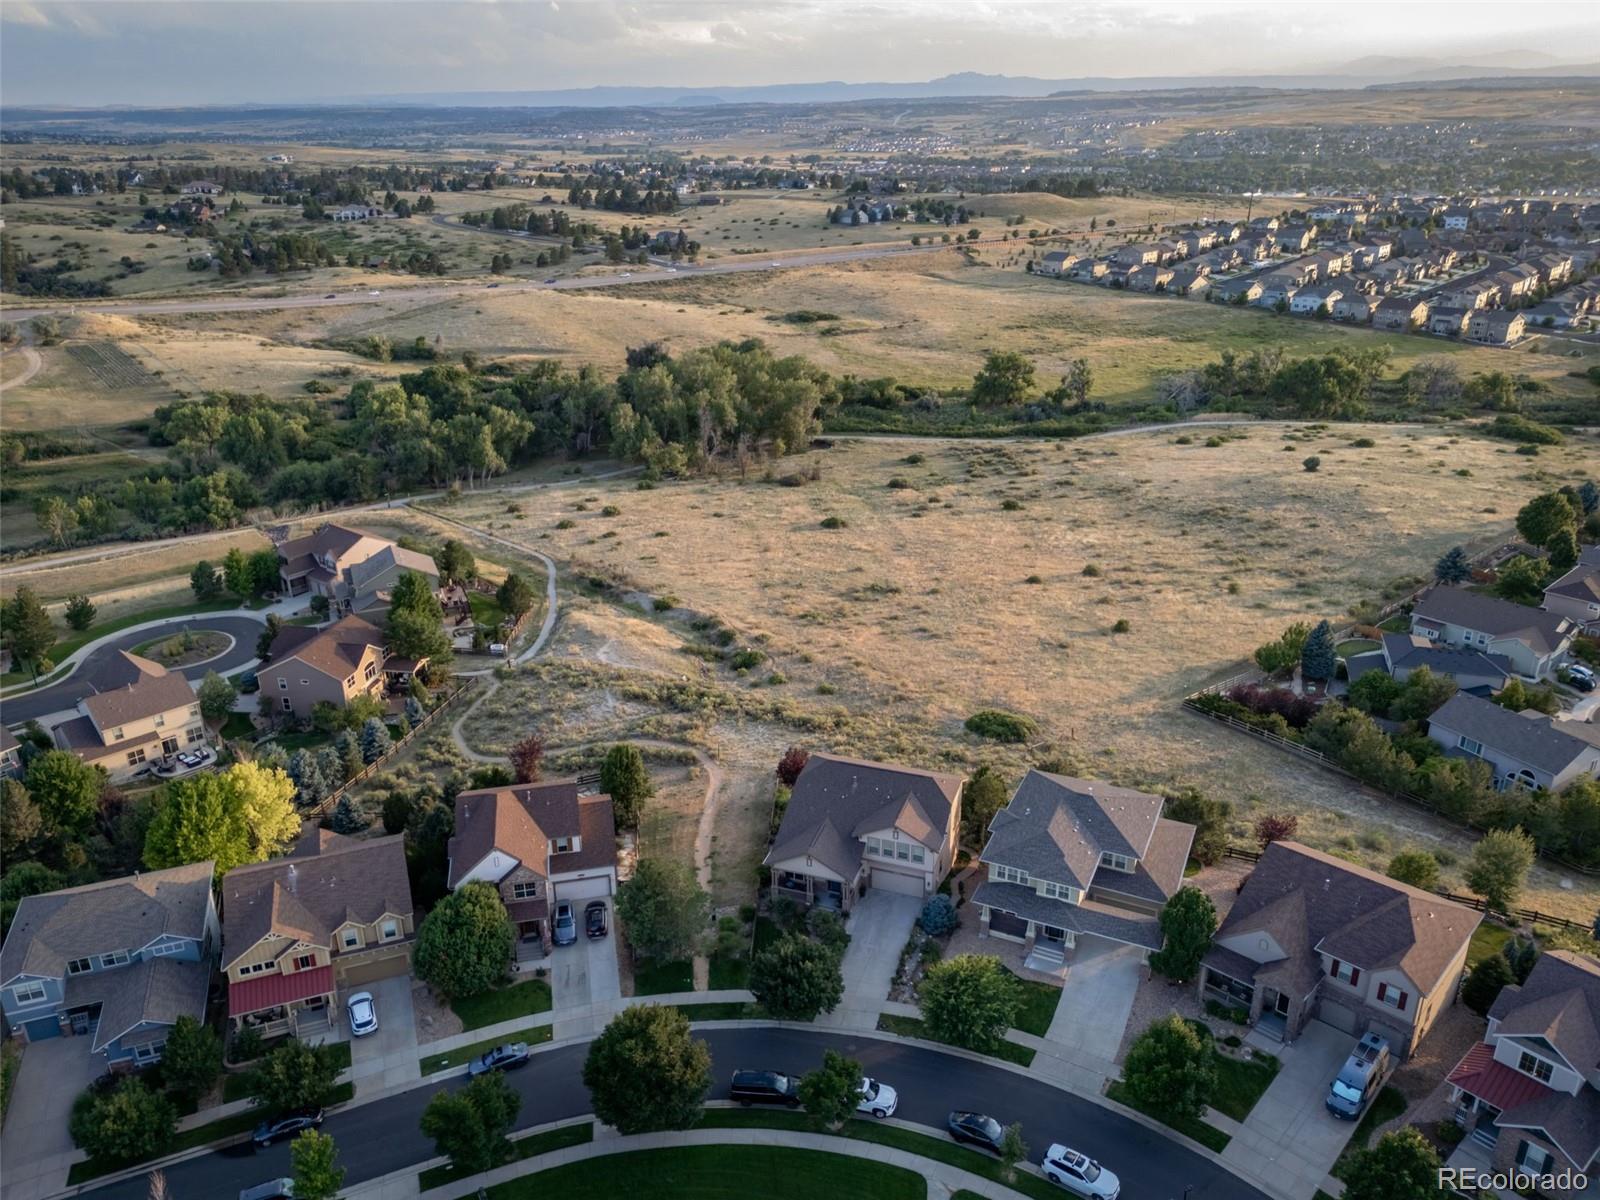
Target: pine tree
[
  {"x": 1452, "y": 566},
  {"x": 1317, "y": 659},
  {"x": 348, "y": 816},
  {"x": 375, "y": 740}
]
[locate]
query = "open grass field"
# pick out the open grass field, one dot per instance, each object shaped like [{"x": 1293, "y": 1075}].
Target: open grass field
[
  {"x": 936, "y": 600},
  {"x": 158, "y": 575}
]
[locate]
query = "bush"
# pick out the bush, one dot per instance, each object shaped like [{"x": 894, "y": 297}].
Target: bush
[
  {"x": 1274, "y": 827},
  {"x": 1122, "y": 626},
  {"x": 1312, "y": 463},
  {"x": 938, "y": 916},
  {"x": 834, "y": 523},
  {"x": 1415, "y": 867},
  {"x": 1001, "y": 726},
  {"x": 126, "y": 1124}
]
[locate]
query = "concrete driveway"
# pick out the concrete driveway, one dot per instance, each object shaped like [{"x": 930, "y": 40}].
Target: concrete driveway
[
  {"x": 387, "y": 1058},
  {"x": 1289, "y": 1138},
  {"x": 36, "y": 1147},
  {"x": 1102, "y": 979},
  {"x": 585, "y": 984},
  {"x": 879, "y": 926}
]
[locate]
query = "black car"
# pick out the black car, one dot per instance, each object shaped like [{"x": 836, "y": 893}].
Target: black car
[
  {"x": 975, "y": 1129},
  {"x": 501, "y": 1058},
  {"x": 765, "y": 1087},
  {"x": 286, "y": 1126},
  {"x": 594, "y": 919}
]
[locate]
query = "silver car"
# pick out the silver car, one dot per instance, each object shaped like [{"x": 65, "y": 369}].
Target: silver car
[{"x": 363, "y": 1014}]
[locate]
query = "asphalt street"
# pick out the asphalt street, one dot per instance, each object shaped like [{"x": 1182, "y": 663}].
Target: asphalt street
[
  {"x": 378, "y": 1138},
  {"x": 92, "y": 671}
]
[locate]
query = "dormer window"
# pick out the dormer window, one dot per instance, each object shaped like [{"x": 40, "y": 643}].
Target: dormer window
[
  {"x": 79, "y": 966},
  {"x": 1009, "y": 875},
  {"x": 1058, "y": 891},
  {"x": 1117, "y": 862},
  {"x": 114, "y": 959},
  {"x": 1532, "y": 1064},
  {"x": 565, "y": 845}
]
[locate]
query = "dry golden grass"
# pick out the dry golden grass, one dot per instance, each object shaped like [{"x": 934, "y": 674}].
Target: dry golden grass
[
  {"x": 154, "y": 576},
  {"x": 921, "y": 611}
]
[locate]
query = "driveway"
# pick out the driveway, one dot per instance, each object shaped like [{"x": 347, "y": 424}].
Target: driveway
[
  {"x": 1289, "y": 1137},
  {"x": 35, "y": 1145},
  {"x": 585, "y": 985},
  {"x": 879, "y": 926},
  {"x": 387, "y": 1058},
  {"x": 1102, "y": 979}
]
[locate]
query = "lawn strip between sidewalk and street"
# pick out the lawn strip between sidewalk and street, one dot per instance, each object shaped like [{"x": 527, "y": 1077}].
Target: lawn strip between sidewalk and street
[{"x": 433, "y": 1063}]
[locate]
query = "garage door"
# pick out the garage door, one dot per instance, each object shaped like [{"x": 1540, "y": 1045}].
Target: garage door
[
  {"x": 894, "y": 881},
  {"x": 371, "y": 972},
  {"x": 584, "y": 889},
  {"x": 1337, "y": 1015}
]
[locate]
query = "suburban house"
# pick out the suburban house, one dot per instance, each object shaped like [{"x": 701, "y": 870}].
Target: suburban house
[
  {"x": 539, "y": 844},
  {"x": 1528, "y": 1091},
  {"x": 1313, "y": 300},
  {"x": 1355, "y": 306},
  {"x": 851, "y": 825},
  {"x": 336, "y": 912},
  {"x": 1525, "y": 749},
  {"x": 1530, "y": 638},
  {"x": 1496, "y": 326},
  {"x": 117, "y": 961},
  {"x": 1399, "y": 654},
  {"x": 10, "y": 755},
  {"x": 1312, "y": 937},
  {"x": 1136, "y": 255},
  {"x": 202, "y": 187},
  {"x": 1058, "y": 263},
  {"x": 1149, "y": 278},
  {"x": 1400, "y": 312},
  {"x": 1294, "y": 238},
  {"x": 146, "y": 713},
  {"x": 1447, "y": 322},
  {"x": 354, "y": 570},
  {"x": 1070, "y": 858},
  {"x": 306, "y": 666},
  {"x": 1576, "y": 595}
]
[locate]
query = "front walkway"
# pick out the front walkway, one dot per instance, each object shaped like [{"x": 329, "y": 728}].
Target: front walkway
[
  {"x": 879, "y": 927},
  {"x": 1290, "y": 1139}
]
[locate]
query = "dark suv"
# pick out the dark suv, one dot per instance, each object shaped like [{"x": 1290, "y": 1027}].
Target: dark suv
[
  {"x": 765, "y": 1087},
  {"x": 286, "y": 1126}
]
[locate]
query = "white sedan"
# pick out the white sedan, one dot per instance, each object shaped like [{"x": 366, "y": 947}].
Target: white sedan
[
  {"x": 1080, "y": 1174},
  {"x": 878, "y": 1099},
  {"x": 363, "y": 1014}
]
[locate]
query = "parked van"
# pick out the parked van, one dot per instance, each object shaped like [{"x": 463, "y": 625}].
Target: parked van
[
  {"x": 1361, "y": 1078},
  {"x": 765, "y": 1087},
  {"x": 278, "y": 1189}
]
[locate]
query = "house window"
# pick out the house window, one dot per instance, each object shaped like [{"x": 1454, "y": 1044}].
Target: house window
[
  {"x": 135, "y": 757},
  {"x": 254, "y": 968},
  {"x": 146, "y": 1054},
  {"x": 1535, "y": 1160},
  {"x": 197, "y": 734},
  {"x": 161, "y": 720},
  {"x": 283, "y": 683},
  {"x": 1058, "y": 891},
  {"x": 389, "y": 930},
  {"x": 561, "y": 845},
  {"x": 918, "y": 854},
  {"x": 288, "y": 705},
  {"x": 1344, "y": 972},
  {"x": 351, "y": 939},
  {"x": 1471, "y": 747},
  {"x": 902, "y": 851},
  {"x": 524, "y": 891},
  {"x": 1117, "y": 862},
  {"x": 194, "y": 710},
  {"x": 1392, "y": 996},
  {"x": 161, "y": 948},
  {"x": 115, "y": 959},
  {"x": 350, "y": 682},
  {"x": 1008, "y": 875},
  {"x": 371, "y": 672},
  {"x": 304, "y": 962},
  {"x": 79, "y": 966},
  {"x": 28, "y": 993},
  {"x": 1532, "y": 1064}
]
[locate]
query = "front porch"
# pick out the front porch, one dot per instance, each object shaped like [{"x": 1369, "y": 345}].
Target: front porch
[
  {"x": 299, "y": 1004},
  {"x": 809, "y": 890}
]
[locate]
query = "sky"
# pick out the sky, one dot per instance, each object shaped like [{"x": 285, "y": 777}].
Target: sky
[{"x": 134, "y": 52}]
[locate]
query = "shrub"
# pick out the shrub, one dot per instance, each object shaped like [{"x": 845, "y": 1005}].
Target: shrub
[
  {"x": 1001, "y": 726},
  {"x": 938, "y": 916},
  {"x": 791, "y": 764},
  {"x": 1312, "y": 463},
  {"x": 1091, "y": 571},
  {"x": 898, "y": 482},
  {"x": 1009, "y": 505},
  {"x": 743, "y": 660},
  {"x": 834, "y": 523},
  {"x": 611, "y": 510},
  {"x": 1415, "y": 867},
  {"x": 1122, "y": 626},
  {"x": 1275, "y": 827}
]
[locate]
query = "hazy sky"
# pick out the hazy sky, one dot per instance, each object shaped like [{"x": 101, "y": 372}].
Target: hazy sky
[{"x": 223, "y": 51}]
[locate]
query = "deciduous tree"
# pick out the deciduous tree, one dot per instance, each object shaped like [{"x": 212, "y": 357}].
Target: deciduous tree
[
  {"x": 1402, "y": 1166},
  {"x": 470, "y": 1125},
  {"x": 831, "y": 1091},
  {"x": 67, "y": 791},
  {"x": 314, "y": 1164},
  {"x": 663, "y": 909},
  {"x": 1188, "y": 921},
  {"x": 1499, "y": 865},
  {"x": 294, "y": 1075},
  {"x": 969, "y": 1000},
  {"x": 244, "y": 814},
  {"x": 527, "y": 755},
  {"x": 1415, "y": 867},
  {"x": 646, "y": 1071},
  {"x": 796, "y": 978},
  {"x": 1170, "y": 1067},
  {"x": 465, "y": 942},
  {"x": 216, "y": 696},
  {"x": 192, "y": 1058}
]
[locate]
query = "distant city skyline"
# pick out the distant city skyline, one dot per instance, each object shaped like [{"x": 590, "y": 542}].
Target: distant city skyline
[{"x": 134, "y": 52}]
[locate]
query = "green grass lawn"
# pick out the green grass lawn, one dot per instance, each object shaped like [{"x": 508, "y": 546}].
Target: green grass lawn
[
  {"x": 651, "y": 978},
  {"x": 718, "y": 1173},
  {"x": 1240, "y": 1083},
  {"x": 863, "y": 1129},
  {"x": 238, "y": 725},
  {"x": 528, "y": 1147},
  {"x": 727, "y": 973},
  {"x": 503, "y": 1004},
  {"x": 295, "y": 739},
  {"x": 730, "y": 1010},
  {"x": 190, "y": 1139},
  {"x": 1390, "y": 1103},
  {"x": 433, "y": 1063},
  {"x": 915, "y": 1027},
  {"x": 486, "y": 610},
  {"x": 1039, "y": 1002},
  {"x": 1207, "y": 1135},
  {"x": 75, "y": 640},
  {"x": 1487, "y": 940},
  {"x": 1355, "y": 646},
  {"x": 767, "y": 932},
  {"x": 1399, "y": 623}
]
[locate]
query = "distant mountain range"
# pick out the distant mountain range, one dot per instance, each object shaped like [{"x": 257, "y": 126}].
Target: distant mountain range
[{"x": 1372, "y": 71}]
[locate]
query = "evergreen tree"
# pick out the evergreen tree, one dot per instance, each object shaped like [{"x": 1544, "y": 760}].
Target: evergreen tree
[
  {"x": 1453, "y": 566},
  {"x": 27, "y": 629},
  {"x": 348, "y": 816},
  {"x": 375, "y": 740},
  {"x": 1317, "y": 659}
]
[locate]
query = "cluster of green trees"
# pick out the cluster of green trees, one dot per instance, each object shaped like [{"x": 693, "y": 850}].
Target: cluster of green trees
[
  {"x": 25, "y": 274},
  {"x": 618, "y": 193},
  {"x": 239, "y": 254},
  {"x": 1337, "y": 385},
  {"x": 1554, "y": 521}
]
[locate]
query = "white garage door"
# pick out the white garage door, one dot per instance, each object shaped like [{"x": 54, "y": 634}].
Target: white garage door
[
  {"x": 894, "y": 881},
  {"x": 1337, "y": 1015},
  {"x": 584, "y": 889}
]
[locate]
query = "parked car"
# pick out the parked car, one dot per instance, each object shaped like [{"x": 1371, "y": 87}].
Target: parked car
[
  {"x": 594, "y": 919},
  {"x": 363, "y": 1014},
  {"x": 1581, "y": 678},
  {"x": 491, "y": 285},
  {"x": 275, "y": 1189},
  {"x": 1080, "y": 1174},
  {"x": 552, "y": 279},
  {"x": 286, "y": 1126},
  {"x": 331, "y": 296},
  {"x": 765, "y": 1087},
  {"x": 565, "y": 930},
  {"x": 879, "y": 1099},
  {"x": 1361, "y": 1078},
  {"x": 976, "y": 1129},
  {"x": 501, "y": 1058}
]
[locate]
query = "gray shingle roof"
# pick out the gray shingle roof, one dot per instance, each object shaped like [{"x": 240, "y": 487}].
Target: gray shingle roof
[
  {"x": 1581, "y": 583},
  {"x": 149, "y": 689},
  {"x": 51, "y": 929},
  {"x": 834, "y": 795},
  {"x": 1306, "y": 900},
  {"x": 152, "y": 990},
  {"x": 1542, "y": 631},
  {"x": 1407, "y": 652},
  {"x": 1055, "y": 827},
  {"x": 1086, "y": 918},
  {"x": 1534, "y": 738}
]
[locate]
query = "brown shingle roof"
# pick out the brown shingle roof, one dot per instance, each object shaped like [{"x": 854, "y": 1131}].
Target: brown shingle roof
[
  {"x": 335, "y": 651},
  {"x": 310, "y": 894},
  {"x": 298, "y": 554},
  {"x": 523, "y": 820},
  {"x": 151, "y": 690}
]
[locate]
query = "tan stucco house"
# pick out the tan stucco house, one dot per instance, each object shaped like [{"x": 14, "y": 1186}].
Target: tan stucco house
[
  {"x": 356, "y": 571},
  {"x": 150, "y": 714},
  {"x": 308, "y": 666}
]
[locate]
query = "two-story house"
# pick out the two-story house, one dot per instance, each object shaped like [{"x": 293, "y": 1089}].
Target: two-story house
[
  {"x": 1526, "y": 749},
  {"x": 307, "y": 666},
  {"x": 539, "y": 844},
  {"x": 1399, "y": 654},
  {"x": 336, "y": 912},
  {"x": 1531, "y": 639},
  {"x": 851, "y": 825},
  {"x": 1530, "y": 1091},
  {"x": 1070, "y": 858},
  {"x": 354, "y": 570},
  {"x": 1312, "y": 937},
  {"x": 117, "y": 962},
  {"x": 144, "y": 714},
  {"x": 1576, "y": 595}
]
